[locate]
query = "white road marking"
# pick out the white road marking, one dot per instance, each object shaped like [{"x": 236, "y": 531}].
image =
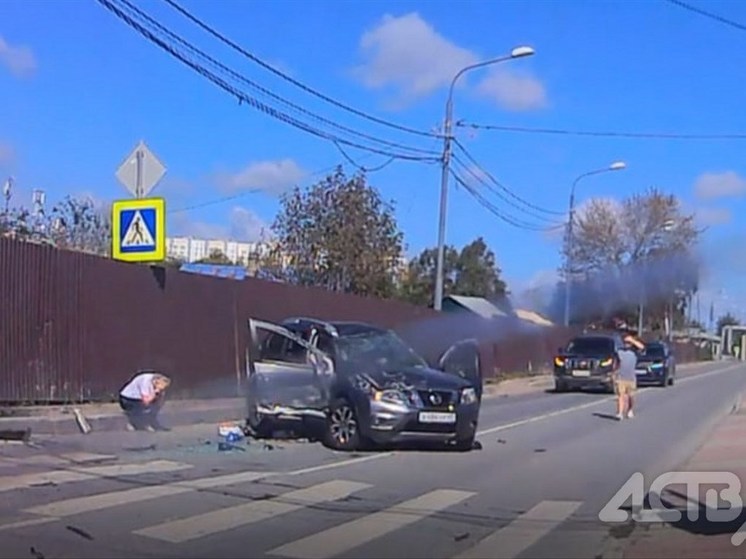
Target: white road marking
[
  {"x": 515, "y": 538},
  {"x": 61, "y": 460},
  {"x": 79, "y": 505},
  {"x": 350, "y": 462},
  {"x": 562, "y": 411},
  {"x": 10, "y": 483},
  {"x": 341, "y": 539},
  {"x": 228, "y": 518},
  {"x": 25, "y": 523}
]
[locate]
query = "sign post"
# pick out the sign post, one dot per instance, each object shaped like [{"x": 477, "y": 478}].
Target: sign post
[{"x": 139, "y": 224}]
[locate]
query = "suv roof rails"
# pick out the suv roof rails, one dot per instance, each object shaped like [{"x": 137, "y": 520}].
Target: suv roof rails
[{"x": 328, "y": 326}]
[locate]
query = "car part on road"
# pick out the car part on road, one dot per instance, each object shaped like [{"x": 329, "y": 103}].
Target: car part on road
[{"x": 16, "y": 435}]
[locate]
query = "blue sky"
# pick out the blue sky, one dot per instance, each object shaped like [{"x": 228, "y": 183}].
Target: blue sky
[{"x": 80, "y": 89}]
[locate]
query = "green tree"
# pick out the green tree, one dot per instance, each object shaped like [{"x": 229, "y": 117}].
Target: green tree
[
  {"x": 726, "y": 320},
  {"x": 472, "y": 272},
  {"x": 631, "y": 254},
  {"x": 78, "y": 224},
  {"x": 339, "y": 233}
]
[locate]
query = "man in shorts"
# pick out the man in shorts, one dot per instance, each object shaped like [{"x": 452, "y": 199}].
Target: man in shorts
[{"x": 625, "y": 377}]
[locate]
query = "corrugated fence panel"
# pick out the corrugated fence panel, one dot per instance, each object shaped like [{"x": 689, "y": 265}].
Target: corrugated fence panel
[{"x": 76, "y": 327}]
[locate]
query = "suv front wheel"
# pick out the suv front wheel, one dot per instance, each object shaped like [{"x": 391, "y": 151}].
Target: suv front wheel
[{"x": 342, "y": 427}]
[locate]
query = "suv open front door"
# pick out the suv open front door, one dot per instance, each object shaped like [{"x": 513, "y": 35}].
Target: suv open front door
[
  {"x": 462, "y": 359},
  {"x": 288, "y": 378}
]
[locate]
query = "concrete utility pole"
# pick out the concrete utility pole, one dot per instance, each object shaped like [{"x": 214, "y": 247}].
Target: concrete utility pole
[
  {"x": 518, "y": 52},
  {"x": 617, "y": 166}
]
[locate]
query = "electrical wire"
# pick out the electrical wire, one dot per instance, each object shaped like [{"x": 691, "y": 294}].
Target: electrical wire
[
  {"x": 711, "y": 15},
  {"x": 492, "y": 208},
  {"x": 481, "y": 180},
  {"x": 502, "y": 187},
  {"x": 183, "y": 11},
  {"x": 221, "y": 67},
  {"x": 222, "y": 200},
  {"x": 602, "y": 134}
]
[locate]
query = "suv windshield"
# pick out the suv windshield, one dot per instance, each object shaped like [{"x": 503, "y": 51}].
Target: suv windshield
[
  {"x": 385, "y": 349},
  {"x": 655, "y": 351},
  {"x": 591, "y": 345}
]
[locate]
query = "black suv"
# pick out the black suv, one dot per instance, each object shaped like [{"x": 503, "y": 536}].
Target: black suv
[
  {"x": 364, "y": 384},
  {"x": 587, "y": 362}
]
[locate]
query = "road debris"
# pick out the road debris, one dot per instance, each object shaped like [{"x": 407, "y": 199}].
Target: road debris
[
  {"x": 80, "y": 532},
  {"x": 36, "y": 554},
  {"x": 83, "y": 424},
  {"x": 461, "y": 537},
  {"x": 140, "y": 448},
  {"x": 501, "y": 441}
]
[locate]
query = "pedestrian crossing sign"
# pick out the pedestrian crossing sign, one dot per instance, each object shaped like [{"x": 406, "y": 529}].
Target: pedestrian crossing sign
[{"x": 139, "y": 230}]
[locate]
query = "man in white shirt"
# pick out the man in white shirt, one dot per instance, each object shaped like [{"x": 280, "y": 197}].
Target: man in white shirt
[
  {"x": 625, "y": 377},
  {"x": 142, "y": 398}
]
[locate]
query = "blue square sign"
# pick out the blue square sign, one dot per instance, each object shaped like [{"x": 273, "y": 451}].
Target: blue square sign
[{"x": 138, "y": 230}]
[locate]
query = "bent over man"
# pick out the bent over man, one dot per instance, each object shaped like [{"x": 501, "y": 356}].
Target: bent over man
[{"x": 142, "y": 398}]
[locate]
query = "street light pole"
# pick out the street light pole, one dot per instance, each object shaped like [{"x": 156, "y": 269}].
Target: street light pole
[
  {"x": 518, "y": 52},
  {"x": 616, "y": 166}
]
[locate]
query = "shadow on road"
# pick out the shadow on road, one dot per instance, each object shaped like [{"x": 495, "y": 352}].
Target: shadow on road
[{"x": 610, "y": 416}]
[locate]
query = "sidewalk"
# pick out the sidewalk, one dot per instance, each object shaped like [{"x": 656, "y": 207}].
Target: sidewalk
[{"x": 724, "y": 451}]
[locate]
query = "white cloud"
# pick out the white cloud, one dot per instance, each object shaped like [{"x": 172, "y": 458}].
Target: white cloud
[
  {"x": 20, "y": 60},
  {"x": 719, "y": 185},
  {"x": 406, "y": 54},
  {"x": 242, "y": 224},
  {"x": 272, "y": 177},
  {"x": 513, "y": 91},
  {"x": 713, "y": 216}
]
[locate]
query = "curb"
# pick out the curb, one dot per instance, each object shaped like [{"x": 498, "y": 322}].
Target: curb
[{"x": 68, "y": 425}]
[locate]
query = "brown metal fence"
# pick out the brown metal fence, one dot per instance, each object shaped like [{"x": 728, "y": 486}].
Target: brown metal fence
[{"x": 75, "y": 327}]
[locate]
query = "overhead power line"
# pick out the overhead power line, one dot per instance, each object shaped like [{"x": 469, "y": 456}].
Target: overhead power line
[
  {"x": 502, "y": 187},
  {"x": 710, "y": 15},
  {"x": 492, "y": 208},
  {"x": 221, "y": 67},
  {"x": 212, "y": 31},
  {"x": 598, "y": 133},
  {"x": 242, "y": 96}
]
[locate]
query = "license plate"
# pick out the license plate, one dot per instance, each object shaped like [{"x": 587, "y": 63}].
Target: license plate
[
  {"x": 642, "y": 371},
  {"x": 580, "y": 373},
  {"x": 437, "y": 417}
]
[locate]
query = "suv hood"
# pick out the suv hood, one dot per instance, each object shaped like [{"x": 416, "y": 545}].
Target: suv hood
[{"x": 417, "y": 378}]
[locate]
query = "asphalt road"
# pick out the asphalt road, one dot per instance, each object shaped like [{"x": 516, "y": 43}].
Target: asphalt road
[{"x": 548, "y": 464}]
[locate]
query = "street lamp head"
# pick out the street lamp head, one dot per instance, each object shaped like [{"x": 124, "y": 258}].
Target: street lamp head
[
  {"x": 520, "y": 52},
  {"x": 617, "y": 166}
]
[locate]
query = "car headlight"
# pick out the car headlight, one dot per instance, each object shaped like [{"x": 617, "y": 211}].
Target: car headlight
[
  {"x": 468, "y": 396},
  {"x": 656, "y": 366},
  {"x": 607, "y": 363},
  {"x": 391, "y": 396},
  {"x": 559, "y": 362}
]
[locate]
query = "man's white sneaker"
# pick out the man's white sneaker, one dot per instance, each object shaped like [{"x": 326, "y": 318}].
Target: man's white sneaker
[
  {"x": 630, "y": 414},
  {"x": 619, "y": 416}
]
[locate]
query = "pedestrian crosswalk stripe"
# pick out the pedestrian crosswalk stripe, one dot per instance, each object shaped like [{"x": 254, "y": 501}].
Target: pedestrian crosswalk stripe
[
  {"x": 73, "y": 474},
  {"x": 515, "y": 538},
  {"x": 345, "y": 537},
  {"x": 79, "y": 505},
  {"x": 54, "y": 460},
  {"x": 221, "y": 520}
]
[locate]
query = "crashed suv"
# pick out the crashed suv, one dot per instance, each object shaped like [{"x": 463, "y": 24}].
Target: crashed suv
[{"x": 363, "y": 384}]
